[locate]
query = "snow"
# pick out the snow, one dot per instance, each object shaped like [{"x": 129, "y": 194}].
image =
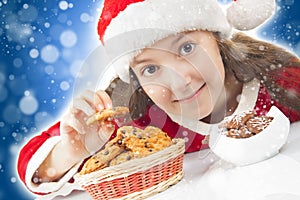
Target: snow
[
  {"x": 34, "y": 53},
  {"x": 28, "y": 13},
  {"x": 50, "y": 54},
  {"x": 63, "y": 5},
  {"x": 7, "y": 114},
  {"x": 49, "y": 69},
  {"x": 28, "y": 105},
  {"x": 18, "y": 62},
  {"x": 13, "y": 179},
  {"x": 86, "y": 18},
  {"x": 68, "y": 38},
  {"x": 64, "y": 85},
  {"x": 47, "y": 25},
  {"x": 44, "y": 46}
]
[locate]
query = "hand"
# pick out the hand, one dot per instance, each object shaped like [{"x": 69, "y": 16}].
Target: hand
[{"x": 79, "y": 138}]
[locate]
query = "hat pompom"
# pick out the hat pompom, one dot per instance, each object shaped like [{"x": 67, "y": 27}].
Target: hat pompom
[{"x": 248, "y": 14}]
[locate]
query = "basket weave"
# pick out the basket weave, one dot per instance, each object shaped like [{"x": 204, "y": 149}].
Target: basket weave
[{"x": 138, "y": 178}]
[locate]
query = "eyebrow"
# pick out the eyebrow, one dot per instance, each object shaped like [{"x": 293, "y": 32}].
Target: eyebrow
[
  {"x": 137, "y": 62},
  {"x": 177, "y": 39}
]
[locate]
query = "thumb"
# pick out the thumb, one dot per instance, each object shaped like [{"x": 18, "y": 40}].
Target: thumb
[
  {"x": 70, "y": 123},
  {"x": 106, "y": 130},
  {"x": 97, "y": 139}
]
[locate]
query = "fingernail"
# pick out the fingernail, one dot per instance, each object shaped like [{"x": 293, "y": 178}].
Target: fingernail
[
  {"x": 108, "y": 105},
  {"x": 100, "y": 106}
]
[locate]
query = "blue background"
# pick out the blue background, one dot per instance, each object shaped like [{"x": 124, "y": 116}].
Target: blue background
[{"x": 43, "y": 45}]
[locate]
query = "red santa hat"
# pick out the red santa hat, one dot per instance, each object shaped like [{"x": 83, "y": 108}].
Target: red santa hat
[{"x": 126, "y": 26}]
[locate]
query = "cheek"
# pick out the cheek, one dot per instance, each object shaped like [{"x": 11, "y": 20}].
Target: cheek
[{"x": 212, "y": 71}]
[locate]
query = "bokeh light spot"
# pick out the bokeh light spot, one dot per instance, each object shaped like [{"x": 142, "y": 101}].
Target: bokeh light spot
[
  {"x": 28, "y": 105},
  {"x": 49, "y": 54},
  {"x": 68, "y": 38}
]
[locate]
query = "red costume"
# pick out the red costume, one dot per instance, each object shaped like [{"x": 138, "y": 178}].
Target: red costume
[{"x": 37, "y": 149}]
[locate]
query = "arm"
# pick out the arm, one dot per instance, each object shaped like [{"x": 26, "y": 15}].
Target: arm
[
  {"x": 32, "y": 146},
  {"x": 77, "y": 139},
  {"x": 72, "y": 124},
  {"x": 58, "y": 162},
  {"x": 288, "y": 80},
  {"x": 34, "y": 152},
  {"x": 48, "y": 161},
  {"x": 282, "y": 89}
]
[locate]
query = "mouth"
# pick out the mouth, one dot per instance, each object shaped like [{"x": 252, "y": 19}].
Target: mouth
[{"x": 193, "y": 96}]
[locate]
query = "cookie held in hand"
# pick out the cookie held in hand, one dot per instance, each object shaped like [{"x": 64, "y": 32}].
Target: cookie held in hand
[{"x": 108, "y": 114}]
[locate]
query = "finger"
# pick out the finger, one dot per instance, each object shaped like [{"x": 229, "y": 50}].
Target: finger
[
  {"x": 93, "y": 99},
  {"x": 105, "y": 98},
  {"x": 106, "y": 130},
  {"x": 82, "y": 105},
  {"x": 94, "y": 141},
  {"x": 70, "y": 122}
]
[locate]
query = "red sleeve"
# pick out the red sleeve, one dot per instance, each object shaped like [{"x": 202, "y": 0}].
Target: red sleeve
[
  {"x": 32, "y": 146},
  {"x": 288, "y": 79}
]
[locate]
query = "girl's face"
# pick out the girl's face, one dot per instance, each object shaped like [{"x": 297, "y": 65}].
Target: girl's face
[{"x": 183, "y": 74}]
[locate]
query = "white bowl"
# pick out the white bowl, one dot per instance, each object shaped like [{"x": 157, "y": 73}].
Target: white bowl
[{"x": 245, "y": 151}]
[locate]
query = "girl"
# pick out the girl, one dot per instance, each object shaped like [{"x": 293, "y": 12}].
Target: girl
[{"x": 182, "y": 79}]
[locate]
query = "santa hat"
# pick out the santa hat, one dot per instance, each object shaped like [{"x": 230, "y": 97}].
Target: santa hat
[{"x": 126, "y": 26}]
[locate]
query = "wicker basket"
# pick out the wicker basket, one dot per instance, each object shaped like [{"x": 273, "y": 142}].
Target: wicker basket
[{"x": 138, "y": 178}]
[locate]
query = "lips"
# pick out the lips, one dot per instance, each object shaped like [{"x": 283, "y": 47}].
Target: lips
[{"x": 191, "y": 97}]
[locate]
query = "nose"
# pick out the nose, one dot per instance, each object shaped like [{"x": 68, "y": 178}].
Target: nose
[
  {"x": 179, "y": 78},
  {"x": 178, "y": 74}
]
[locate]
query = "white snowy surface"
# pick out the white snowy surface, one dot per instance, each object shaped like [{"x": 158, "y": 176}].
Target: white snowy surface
[{"x": 209, "y": 178}]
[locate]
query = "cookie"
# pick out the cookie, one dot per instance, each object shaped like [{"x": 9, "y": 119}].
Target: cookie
[
  {"x": 145, "y": 142},
  {"x": 258, "y": 123},
  {"x": 122, "y": 157},
  {"x": 130, "y": 143},
  {"x": 245, "y": 125},
  {"x": 245, "y": 132},
  {"x": 158, "y": 139},
  {"x": 232, "y": 133},
  {"x": 108, "y": 114},
  {"x": 239, "y": 120},
  {"x": 101, "y": 159},
  {"x": 138, "y": 146},
  {"x": 242, "y": 132}
]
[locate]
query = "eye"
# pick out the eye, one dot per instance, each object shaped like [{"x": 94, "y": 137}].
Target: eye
[
  {"x": 187, "y": 48},
  {"x": 150, "y": 70}
]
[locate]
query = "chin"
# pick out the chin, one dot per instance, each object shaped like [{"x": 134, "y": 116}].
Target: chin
[
  {"x": 191, "y": 112},
  {"x": 203, "y": 113},
  {"x": 199, "y": 115}
]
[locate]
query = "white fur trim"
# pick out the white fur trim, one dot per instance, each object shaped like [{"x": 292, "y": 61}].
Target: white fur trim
[
  {"x": 246, "y": 103},
  {"x": 143, "y": 23},
  {"x": 248, "y": 14},
  {"x": 171, "y": 15},
  {"x": 37, "y": 159},
  {"x": 65, "y": 190}
]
